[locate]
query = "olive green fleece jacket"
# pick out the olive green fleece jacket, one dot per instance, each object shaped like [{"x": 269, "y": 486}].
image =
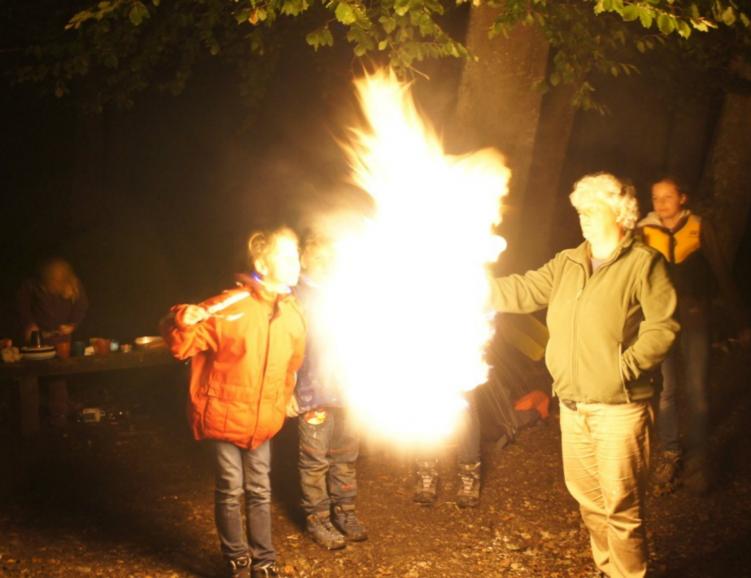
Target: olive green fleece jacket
[{"x": 609, "y": 330}]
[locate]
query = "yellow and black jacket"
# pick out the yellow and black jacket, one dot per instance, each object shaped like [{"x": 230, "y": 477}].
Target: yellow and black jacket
[
  {"x": 682, "y": 247},
  {"x": 695, "y": 260}
]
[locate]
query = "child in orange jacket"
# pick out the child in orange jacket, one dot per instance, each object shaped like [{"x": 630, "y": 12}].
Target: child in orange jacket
[{"x": 246, "y": 346}]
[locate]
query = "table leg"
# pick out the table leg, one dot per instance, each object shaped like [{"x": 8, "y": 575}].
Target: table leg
[{"x": 28, "y": 390}]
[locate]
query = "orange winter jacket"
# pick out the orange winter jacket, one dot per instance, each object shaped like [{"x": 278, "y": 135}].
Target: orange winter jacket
[{"x": 244, "y": 361}]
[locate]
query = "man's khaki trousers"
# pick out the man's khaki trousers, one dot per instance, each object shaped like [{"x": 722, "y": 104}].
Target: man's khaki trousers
[{"x": 605, "y": 464}]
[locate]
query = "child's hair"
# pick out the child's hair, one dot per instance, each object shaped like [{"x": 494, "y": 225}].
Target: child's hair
[
  {"x": 314, "y": 241},
  {"x": 679, "y": 185},
  {"x": 262, "y": 243}
]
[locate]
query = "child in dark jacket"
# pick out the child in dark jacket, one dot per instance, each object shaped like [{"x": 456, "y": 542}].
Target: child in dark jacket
[{"x": 329, "y": 445}]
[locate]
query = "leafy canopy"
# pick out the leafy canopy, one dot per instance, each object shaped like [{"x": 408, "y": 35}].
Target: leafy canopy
[{"x": 133, "y": 44}]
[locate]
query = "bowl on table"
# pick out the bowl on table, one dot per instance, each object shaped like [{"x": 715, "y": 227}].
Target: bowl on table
[
  {"x": 38, "y": 353},
  {"x": 149, "y": 342}
]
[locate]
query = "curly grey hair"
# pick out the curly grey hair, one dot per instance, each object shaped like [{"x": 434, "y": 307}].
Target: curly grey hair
[{"x": 604, "y": 188}]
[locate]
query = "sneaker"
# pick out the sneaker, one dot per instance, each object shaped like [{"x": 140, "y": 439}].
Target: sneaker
[
  {"x": 426, "y": 490},
  {"x": 267, "y": 570},
  {"x": 347, "y": 523},
  {"x": 666, "y": 472},
  {"x": 468, "y": 495},
  {"x": 239, "y": 567},
  {"x": 324, "y": 534}
]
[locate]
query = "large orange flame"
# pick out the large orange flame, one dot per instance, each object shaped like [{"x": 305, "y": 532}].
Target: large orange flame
[{"x": 406, "y": 304}]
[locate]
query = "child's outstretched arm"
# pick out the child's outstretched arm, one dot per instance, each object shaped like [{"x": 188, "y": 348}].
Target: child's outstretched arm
[{"x": 188, "y": 329}]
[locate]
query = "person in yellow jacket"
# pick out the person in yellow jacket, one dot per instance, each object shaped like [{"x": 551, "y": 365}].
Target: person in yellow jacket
[
  {"x": 610, "y": 312},
  {"x": 697, "y": 265}
]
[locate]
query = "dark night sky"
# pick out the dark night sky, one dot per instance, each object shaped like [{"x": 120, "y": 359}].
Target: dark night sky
[{"x": 178, "y": 184}]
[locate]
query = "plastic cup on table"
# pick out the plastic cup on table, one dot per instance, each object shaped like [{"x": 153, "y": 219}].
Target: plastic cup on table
[
  {"x": 77, "y": 348},
  {"x": 62, "y": 349}
]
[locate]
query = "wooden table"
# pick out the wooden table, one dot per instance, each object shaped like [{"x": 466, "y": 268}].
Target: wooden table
[{"x": 25, "y": 374}]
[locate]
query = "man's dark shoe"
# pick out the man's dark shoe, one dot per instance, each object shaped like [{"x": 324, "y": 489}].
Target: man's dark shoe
[
  {"x": 323, "y": 532},
  {"x": 468, "y": 494},
  {"x": 239, "y": 567},
  {"x": 426, "y": 490},
  {"x": 346, "y": 521},
  {"x": 267, "y": 570}
]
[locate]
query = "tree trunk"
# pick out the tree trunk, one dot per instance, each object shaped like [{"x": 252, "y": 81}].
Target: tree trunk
[
  {"x": 551, "y": 145},
  {"x": 728, "y": 176},
  {"x": 498, "y": 105}
]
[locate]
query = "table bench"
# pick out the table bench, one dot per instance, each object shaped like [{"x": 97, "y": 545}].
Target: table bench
[{"x": 26, "y": 374}]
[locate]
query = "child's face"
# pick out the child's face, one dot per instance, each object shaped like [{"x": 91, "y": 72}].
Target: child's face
[
  {"x": 282, "y": 265},
  {"x": 316, "y": 261},
  {"x": 667, "y": 200}
]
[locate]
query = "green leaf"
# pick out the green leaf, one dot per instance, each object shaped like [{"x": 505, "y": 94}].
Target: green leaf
[
  {"x": 320, "y": 37},
  {"x": 401, "y": 7},
  {"x": 745, "y": 20},
  {"x": 684, "y": 30},
  {"x": 242, "y": 16},
  {"x": 388, "y": 23},
  {"x": 138, "y": 13},
  {"x": 665, "y": 23},
  {"x": 646, "y": 17},
  {"x": 640, "y": 46},
  {"x": 345, "y": 14},
  {"x": 728, "y": 16},
  {"x": 630, "y": 13}
]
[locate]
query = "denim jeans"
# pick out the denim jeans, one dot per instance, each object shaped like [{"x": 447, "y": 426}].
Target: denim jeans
[
  {"x": 243, "y": 472},
  {"x": 468, "y": 443},
  {"x": 327, "y": 456},
  {"x": 686, "y": 369},
  {"x": 605, "y": 465}
]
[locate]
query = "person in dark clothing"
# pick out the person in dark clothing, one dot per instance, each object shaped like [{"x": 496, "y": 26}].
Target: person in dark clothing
[
  {"x": 329, "y": 443},
  {"x": 54, "y": 303},
  {"x": 696, "y": 265}
]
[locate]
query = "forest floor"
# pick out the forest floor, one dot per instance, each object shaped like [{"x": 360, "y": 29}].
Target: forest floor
[{"x": 135, "y": 499}]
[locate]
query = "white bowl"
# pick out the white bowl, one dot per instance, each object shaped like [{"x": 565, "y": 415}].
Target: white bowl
[
  {"x": 149, "y": 342},
  {"x": 38, "y": 355}
]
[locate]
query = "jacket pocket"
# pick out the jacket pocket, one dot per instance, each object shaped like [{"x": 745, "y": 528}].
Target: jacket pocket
[{"x": 622, "y": 380}]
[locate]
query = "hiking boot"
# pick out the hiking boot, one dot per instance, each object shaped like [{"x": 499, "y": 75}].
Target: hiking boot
[
  {"x": 468, "y": 495},
  {"x": 666, "y": 472},
  {"x": 238, "y": 567},
  {"x": 267, "y": 570},
  {"x": 346, "y": 521},
  {"x": 323, "y": 532},
  {"x": 426, "y": 490},
  {"x": 697, "y": 478}
]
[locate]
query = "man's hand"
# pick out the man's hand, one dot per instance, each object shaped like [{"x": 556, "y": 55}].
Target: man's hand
[{"x": 193, "y": 314}]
